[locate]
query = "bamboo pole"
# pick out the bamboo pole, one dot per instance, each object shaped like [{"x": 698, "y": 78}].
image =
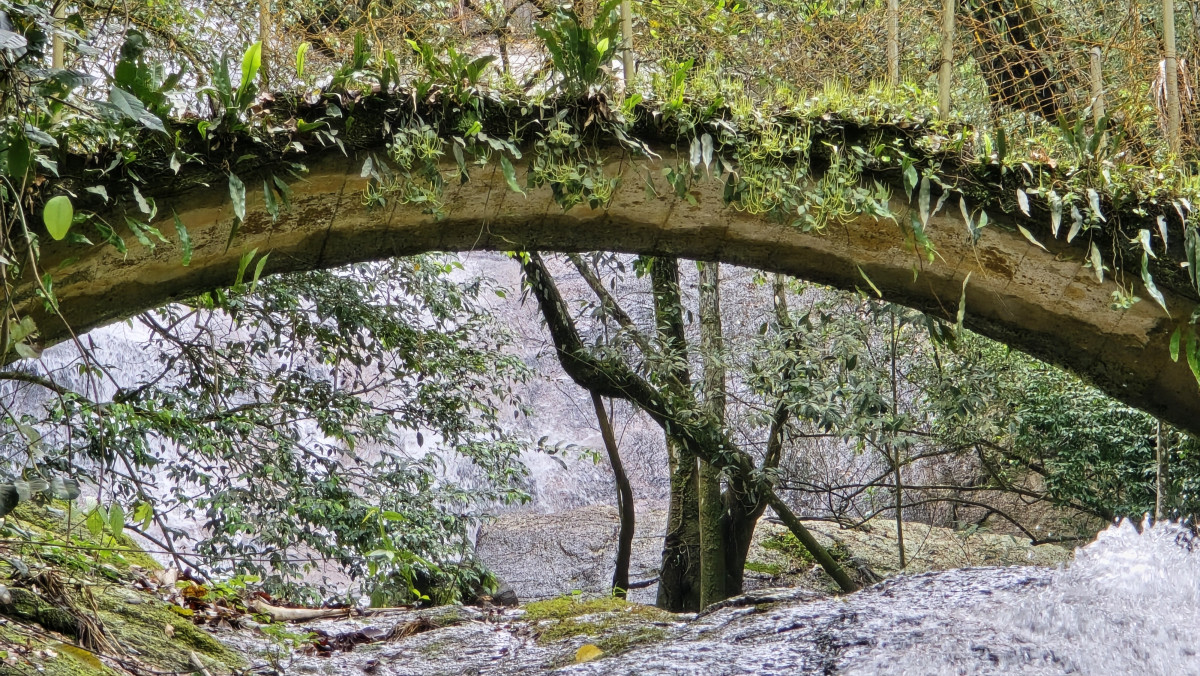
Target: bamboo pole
[
  {"x": 948, "y": 58},
  {"x": 1097, "y": 86},
  {"x": 264, "y": 34},
  {"x": 58, "y": 54},
  {"x": 893, "y": 47},
  {"x": 627, "y": 42},
  {"x": 1171, "y": 68}
]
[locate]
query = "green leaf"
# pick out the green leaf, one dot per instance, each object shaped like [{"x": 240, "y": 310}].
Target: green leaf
[
  {"x": 116, "y": 520},
  {"x": 300, "y": 53},
  {"x": 95, "y": 521},
  {"x": 133, "y": 108},
  {"x": 18, "y": 158},
  {"x": 269, "y": 201},
  {"x": 1023, "y": 201},
  {"x": 237, "y": 192},
  {"x": 962, "y": 306},
  {"x": 869, "y": 282},
  {"x": 185, "y": 240},
  {"x": 58, "y": 214},
  {"x": 1151, "y": 287},
  {"x": 1175, "y": 337},
  {"x": 258, "y": 270},
  {"x": 510, "y": 174},
  {"x": 1097, "y": 263},
  {"x": 602, "y": 46},
  {"x": 251, "y": 61},
  {"x": 923, "y": 201},
  {"x": 1094, "y": 200},
  {"x": 1030, "y": 237},
  {"x": 1055, "y": 213},
  {"x": 242, "y": 265}
]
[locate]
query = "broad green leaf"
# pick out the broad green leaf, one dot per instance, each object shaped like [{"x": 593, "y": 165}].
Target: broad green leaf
[
  {"x": 116, "y": 520},
  {"x": 146, "y": 206},
  {"x": 95, "y": 521},
  {"x": 602, "y": 46},
  {"x": 910, "y": 179},
  {"x": 1175, "y": 337},
  {"x": 58, "y": 214},
  {"x": 18, "y": 158},
  {"x": 133, "y": 108},
  {"x": 251, "y": 61},
  {"x": 510, "y": 174},
  {"x": 706, "y": 152}
]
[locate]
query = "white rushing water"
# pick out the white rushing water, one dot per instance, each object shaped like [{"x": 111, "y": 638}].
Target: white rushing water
[{"x": 1128, "y": 604}]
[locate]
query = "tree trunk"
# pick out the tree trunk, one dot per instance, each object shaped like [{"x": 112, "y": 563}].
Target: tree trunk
[
  {"x": 712, "y": 540},
  {"x": 625, "y": 511},
  {"x": 679, "y": 575}
]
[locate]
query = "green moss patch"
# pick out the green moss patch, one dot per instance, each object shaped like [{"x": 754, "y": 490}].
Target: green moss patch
[
  {"x": 771, "y": 569},
  {"x": 613, "y": 624},
  {"x": 143, "y": 627}
]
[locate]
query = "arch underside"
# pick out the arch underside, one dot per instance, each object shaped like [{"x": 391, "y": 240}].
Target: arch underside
[{"x": 1046, "y": 303}]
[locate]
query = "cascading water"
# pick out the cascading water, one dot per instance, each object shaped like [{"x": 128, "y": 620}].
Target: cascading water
[
  {"x": 1128, "y": 604},
  {"x": 1125, "y": 605}
]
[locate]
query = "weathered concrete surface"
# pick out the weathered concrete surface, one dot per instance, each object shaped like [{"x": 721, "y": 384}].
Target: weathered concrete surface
[{"x": 1043, "y": 302}]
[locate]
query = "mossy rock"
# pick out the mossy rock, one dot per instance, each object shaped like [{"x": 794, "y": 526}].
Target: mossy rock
[
  {"x": 134, "y": 621},
  {"x": 50, "y": 521},
  {"x": 612, "y": 624},
  {"x": 143, "y": 627}
]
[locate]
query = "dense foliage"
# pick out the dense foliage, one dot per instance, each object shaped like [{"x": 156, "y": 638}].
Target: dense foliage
[{"x": 339, "y": 421}]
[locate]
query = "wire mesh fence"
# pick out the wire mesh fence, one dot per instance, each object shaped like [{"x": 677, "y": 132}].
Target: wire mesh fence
[{"x": 1028, "y": 67}]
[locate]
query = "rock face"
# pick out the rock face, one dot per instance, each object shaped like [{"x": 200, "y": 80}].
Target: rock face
[
  {"x": 546, "y": 555},
  {"x": 542, "y": 556}
]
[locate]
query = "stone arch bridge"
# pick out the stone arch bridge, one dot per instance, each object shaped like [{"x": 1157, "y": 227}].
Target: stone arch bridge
[{"x": 1046, "y": 303}]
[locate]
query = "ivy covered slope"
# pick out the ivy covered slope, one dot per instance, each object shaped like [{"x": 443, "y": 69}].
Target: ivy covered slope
[{"x": 88, "y": 601}]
